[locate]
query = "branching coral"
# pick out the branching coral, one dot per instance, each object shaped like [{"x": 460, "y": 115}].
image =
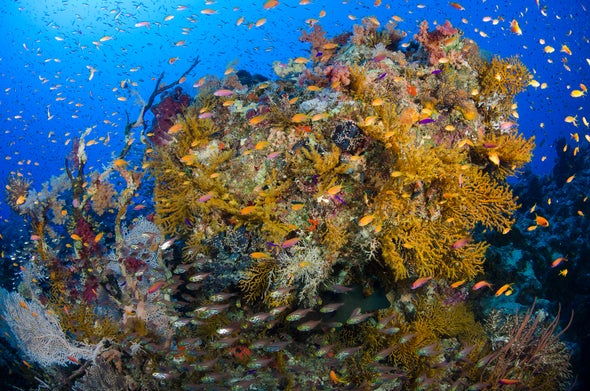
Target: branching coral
[
  {"x": 258, "y": 279},
  {"x": 503, "y": 154},
  {"x": 499, "y": 82}
]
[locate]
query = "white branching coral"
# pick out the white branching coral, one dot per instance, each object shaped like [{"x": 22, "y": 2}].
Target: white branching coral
[
  {"x": 144, "y": 238},
  {"x": 38, "y": 333},
  {"x": 305, "y": 269}
]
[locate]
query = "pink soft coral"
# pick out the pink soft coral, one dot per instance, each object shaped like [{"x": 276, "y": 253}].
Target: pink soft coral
[
  {"x": 433, "y": 41},
  {"x": 339, "y": 75}
]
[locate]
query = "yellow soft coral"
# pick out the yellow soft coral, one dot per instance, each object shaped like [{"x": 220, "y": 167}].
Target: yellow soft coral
[
  {"x": 506, "y": 77},
  {"x": 257, "y": 280}
]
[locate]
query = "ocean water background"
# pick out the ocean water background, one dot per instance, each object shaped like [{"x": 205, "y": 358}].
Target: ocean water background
[
  {"x": 62, "y": 64},
  {"x": 51, "y": 47}
]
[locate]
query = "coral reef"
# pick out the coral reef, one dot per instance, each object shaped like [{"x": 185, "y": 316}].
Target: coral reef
[{"x": 321, "y": 231}]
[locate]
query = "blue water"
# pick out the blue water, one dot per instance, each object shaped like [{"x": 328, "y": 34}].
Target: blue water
[
  {"x": 58, "y": 77},
  {"x": 46, "y": 97}
]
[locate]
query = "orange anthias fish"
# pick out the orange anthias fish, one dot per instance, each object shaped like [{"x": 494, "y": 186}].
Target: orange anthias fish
[
  {"x": 156, "y": 286},
  {"x": 420, "y": 281},
  {"x": 365, "y": 220},
  {"x": 457, "y": 6},
  {"x": 460, "y": 243},
  {"x": 247, "y": 210},
  {"x": 515, "y": 28},
  {"x": 290, "y": 242},
  {"x": 457, "y": 284},
  {"x": 558, "y": 262},
  {"x": 335, "y": 378},
  {"x": 504, "y": 289},
  {"x": 481, "y": 284},
  {"x": 508, "y": 381},
  {"x": 542, "y": 221},
  {"x": 270, "y": 4}
]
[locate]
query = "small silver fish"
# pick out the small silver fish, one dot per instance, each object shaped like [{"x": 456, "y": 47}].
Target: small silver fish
[
  {"x": 221, "y": 296},
  {"x": 324, "y": 350},
  {"x": 225, "y": 330},
  {"x": 407, "y": 337},
  {"x": 309, "y": 325},
  {"x": 167, "y": 244},
  {"x": 428, "y": 351},
  {"x": 357, "y": 317},
  {"x": 344, "y": 353},
  {"x": 384, "y": 353},
  {"x": 330, "y": 307},
  {"x": 298, "y": 314},
  {"x": 198, "y": 277},
  {"x": 259, "y": 318},
  {"x": 259, "y": 363}
]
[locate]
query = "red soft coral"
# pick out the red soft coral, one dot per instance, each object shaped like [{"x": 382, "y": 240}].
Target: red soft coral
[
  {"x": 165, "y": 113},
  {"x": 90, "y": 289}
]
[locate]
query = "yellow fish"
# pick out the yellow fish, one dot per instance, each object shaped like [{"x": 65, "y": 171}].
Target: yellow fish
[
  {"x": 299, "y": 117},
  {"x": 247, "y": 210},
  {"x": 577, "y": 93},
  {"x": 334, "y": 190},
  {"x": 21, "y": 200},
  {"x": 256, "y": 120},
  {"x": 366, "y": 220},
  {"x": 493, "y": 156},
  {"x": 504, "y": 289},
  {"x": 319, "y": 117},
  {"x": 515, "y": 28},
  {"x": 119, "y": 163},
  {"x": 261, "y": 145}
]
